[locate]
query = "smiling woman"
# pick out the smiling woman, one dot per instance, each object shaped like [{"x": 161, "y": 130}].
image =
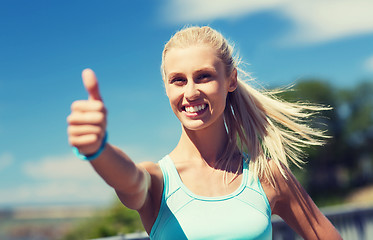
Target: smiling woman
[{"x": 229, "y": 172}]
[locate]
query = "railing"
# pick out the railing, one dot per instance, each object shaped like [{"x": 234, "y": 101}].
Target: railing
[{"x": 353, "y": 223}]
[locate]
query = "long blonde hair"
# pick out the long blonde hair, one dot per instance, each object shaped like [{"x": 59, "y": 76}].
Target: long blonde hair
[{"x": 256, "y": 121}]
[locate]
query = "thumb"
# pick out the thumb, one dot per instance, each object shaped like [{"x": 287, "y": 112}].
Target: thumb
[{"x": 91, "y": 84}]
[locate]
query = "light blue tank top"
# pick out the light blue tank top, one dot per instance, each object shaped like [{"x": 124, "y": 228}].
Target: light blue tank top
[{"x": 243, "y": 214}]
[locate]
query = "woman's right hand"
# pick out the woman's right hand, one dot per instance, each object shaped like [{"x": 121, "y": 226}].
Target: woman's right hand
[
  {"x": 132, "y": 183},
  {"x": 87, "y": 121}
]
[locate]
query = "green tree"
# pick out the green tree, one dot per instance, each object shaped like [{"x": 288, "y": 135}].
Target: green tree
[
  {"x": 116, "y": 220},
  {"x": 335, "y": 169}
]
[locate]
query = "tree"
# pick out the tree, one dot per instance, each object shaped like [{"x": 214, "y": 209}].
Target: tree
[
  {"x": 113, "y": 221},
  {"x": 343, "y": 163}
]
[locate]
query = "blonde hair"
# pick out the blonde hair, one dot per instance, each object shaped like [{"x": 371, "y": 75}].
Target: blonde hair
[{"x": 257, "y": 121}]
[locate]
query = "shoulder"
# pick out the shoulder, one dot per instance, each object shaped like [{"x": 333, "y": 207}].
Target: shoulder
[
  {"x": 149, "y": 211},
  {"x": 279, "y": 176},
  {"x": 274, "y": 183},
  {"x": 155, "y": 172},
  {"x": 281, "y": 185},
  {"x": 283, "y": 190},
  {"x": 293, "y": 204},
  {"x": 151, "y": 167}
]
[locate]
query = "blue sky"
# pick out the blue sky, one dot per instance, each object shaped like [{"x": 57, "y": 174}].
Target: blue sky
[{"x": 44, "y": 46}]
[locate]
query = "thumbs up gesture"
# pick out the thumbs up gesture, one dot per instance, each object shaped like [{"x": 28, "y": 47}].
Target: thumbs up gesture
[{"x": 87, "y": 121}]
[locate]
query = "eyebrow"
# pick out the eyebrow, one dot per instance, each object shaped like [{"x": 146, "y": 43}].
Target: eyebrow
[
  {"x": 174, "y": 75},
  {"x": 204, "y": 69}
]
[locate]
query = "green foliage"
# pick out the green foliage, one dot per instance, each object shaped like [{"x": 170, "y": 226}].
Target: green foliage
[
  {"x": 335, "y": 169},
  {"x": 114, "y": 221}
]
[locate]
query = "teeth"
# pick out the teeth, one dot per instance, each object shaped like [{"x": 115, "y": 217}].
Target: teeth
[{"x": 195, "y": 108}]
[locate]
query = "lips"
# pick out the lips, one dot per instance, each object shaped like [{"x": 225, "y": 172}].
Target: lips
[{"x": 195, "y": 109}]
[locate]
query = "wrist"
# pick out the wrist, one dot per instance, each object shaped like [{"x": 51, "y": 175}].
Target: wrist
[{"x": 93, "y": 156}]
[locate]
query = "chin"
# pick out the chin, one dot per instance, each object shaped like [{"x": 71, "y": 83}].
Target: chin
[{"x": 195, "y": 126}]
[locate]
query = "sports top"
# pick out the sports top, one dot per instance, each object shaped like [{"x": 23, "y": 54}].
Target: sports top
[{"x": 243, "y": 214}]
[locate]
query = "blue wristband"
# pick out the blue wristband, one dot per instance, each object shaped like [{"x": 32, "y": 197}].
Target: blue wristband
[{"x": 93, "y": 156}]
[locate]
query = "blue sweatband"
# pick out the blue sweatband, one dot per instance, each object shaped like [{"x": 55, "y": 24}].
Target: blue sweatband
[{"x": 93, "y": 156}]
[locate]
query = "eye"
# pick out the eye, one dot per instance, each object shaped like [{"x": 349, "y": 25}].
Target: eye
[
  {"x": 204, "y": 76},
  {"x": 177, "y": 81}
]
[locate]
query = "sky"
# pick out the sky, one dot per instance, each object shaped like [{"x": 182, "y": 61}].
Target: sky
[{"x": 44, "y": 46}]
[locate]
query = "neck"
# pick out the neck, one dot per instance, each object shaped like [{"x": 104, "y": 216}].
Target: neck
[{"x": 206, "y": 145}]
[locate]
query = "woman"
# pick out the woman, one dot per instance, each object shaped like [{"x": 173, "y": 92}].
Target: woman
[{"x": 229, "y": 172}]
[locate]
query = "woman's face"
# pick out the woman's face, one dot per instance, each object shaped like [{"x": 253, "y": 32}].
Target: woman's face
[{"x": 197, "y": 86}]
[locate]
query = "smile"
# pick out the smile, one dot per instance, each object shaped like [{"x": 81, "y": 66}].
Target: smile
[{"x": 195, "y": 109}]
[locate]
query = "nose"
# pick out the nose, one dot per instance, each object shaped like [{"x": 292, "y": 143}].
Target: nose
[{"x": 191, "y": 91}]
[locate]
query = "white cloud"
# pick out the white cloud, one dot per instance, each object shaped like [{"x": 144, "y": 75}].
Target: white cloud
[
  {"x": 196, "y": 10},
  {"x": 368, "y": 64},
  {"x": 60, "y": 167},
  {"x": 58, "y": 180},
  {"x": 61, "y": 179},
  {"x": 58, "y": 192},
  {"x": 6, "y": 159},
  {"x": 313, "y": 21},
  {"x": 324, "y": 20}
]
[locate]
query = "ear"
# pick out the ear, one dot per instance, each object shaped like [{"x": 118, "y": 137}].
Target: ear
[{"x": 233, "y": 81}]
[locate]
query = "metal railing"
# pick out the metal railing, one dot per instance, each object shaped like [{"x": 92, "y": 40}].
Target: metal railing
[{"x": 353, "y": 223}]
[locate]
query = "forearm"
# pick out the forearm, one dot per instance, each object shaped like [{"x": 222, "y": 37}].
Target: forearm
[{"x": 120, "y": 172}]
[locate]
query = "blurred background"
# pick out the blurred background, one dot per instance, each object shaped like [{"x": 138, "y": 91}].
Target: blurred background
[{"x": 323, "y": 48}]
